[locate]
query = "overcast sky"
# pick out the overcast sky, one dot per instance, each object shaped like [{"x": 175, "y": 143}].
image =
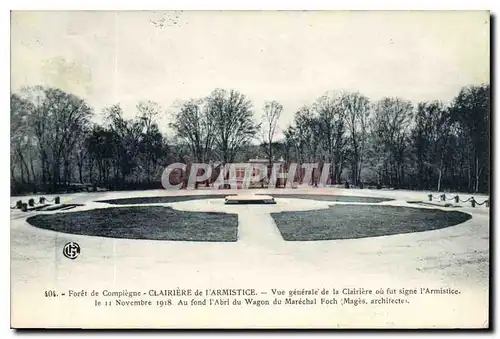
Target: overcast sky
[{"x": 292, "y": 57}]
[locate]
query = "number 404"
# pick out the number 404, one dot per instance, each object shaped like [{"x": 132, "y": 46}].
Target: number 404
[{"x": 50, "y": 294}]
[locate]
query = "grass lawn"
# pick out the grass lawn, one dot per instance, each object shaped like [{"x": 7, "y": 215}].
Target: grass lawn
[
  {"x": 146, "y": 222},
  {"x": 361, "y": 221},
  {"x": 339, "y": 198},
  {"x": 162, "y": 200}
]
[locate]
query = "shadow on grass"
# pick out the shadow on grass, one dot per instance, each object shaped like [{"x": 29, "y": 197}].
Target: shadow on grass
[
  {"x": 146, "y": 222},
  {"x": 362, "y": 221}
]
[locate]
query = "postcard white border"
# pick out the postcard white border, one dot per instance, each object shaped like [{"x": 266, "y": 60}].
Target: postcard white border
[{"x": 198, "y": 5}]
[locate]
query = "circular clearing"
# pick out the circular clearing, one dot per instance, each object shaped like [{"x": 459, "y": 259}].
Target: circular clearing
[
  {"x": 145, "y": 222},
  {"x": 362, "y": 221},
  {"x": 171, "y": 199},
  {"x": 161, "y": 199}
]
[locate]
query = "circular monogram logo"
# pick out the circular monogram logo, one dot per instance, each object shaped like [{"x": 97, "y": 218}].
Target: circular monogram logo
[{"x": 71, "y": 250}]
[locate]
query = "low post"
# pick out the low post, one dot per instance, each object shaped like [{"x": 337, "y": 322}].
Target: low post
[
  {"x": 430, "y": 197},
  {"x": 24, "y": 207},
  {"x": 443, "y": 197},
  {"x": 57, "y": 200},
  {"x": 473, "y": 202},
  {"x": 456, "y": 198},
  {"x": 42, "y": 200},
  {"x": 19, "y": 204},
  {"x": 31, "y": 202}
]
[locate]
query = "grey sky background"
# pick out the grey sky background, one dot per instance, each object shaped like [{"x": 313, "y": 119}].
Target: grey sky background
[{"x": 291, "y": 57}]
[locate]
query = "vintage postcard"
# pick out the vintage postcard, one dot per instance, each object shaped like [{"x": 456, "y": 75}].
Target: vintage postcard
[{"x": 250, "y": 169}]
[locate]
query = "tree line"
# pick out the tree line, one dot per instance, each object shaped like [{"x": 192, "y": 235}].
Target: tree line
[{"x": 392, "y": 142}]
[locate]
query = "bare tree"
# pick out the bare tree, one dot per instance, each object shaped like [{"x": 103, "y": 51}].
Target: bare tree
[
  {"x": 391, "y": 125},
  {"x": 57, "y": 120},
  {"x": 332, "y": 127},
  {"x": 271, "y": 116},
  {"x": 444, "y": 147},
  {"x": 148, "y": 112},
  {"x": 193, "y": 124},
  {"x": 305, "y": 135},
  {"x": 357, "y": 110},
  {"x": 81, "y": 153},
  {"x": 471, "y": 110},
  {"x": 21, "y": 138},
  {"x": 39, "y": 125},
  {"x": 234, "y": 125},
  {"x": 126, "y": 134},
  {"x": 151, "y": 141},
  {"x": 431, "y": 137}
]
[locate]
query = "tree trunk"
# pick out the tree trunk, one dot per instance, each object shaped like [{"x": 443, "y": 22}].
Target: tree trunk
[
  {"x": 27, "y": 169},
  {"x": 80, "y": 173},
  {"x": 33, "y": 170},
  {"x": 55, "y": 176},
  {"x": 45, "y": 172},
  {"x": 332, "y": 172},
  {"x": 66, "y": 172},
  {"x": 359, "y": 172},
  {"x": 12, "y": 172},
  {"x": 148, "y": 171},
  {"x": 354, "y": 170},
  {"x": 477, "y": 175},
  {"x": 22, "y": 174},
  {"x": 439, "y": 180},
  {"x": 402, "y": 175},
  {"x": 270, "y": 154},
  {"x": 90, "y": 176},
  {"x": 469, "y": 174}
]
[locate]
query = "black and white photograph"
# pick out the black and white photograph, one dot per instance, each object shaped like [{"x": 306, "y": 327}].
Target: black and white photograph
[{"x": 230, "y": 169}]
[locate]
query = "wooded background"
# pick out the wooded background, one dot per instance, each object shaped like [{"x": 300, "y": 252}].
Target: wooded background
[{"x": 392, "y": 142}]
